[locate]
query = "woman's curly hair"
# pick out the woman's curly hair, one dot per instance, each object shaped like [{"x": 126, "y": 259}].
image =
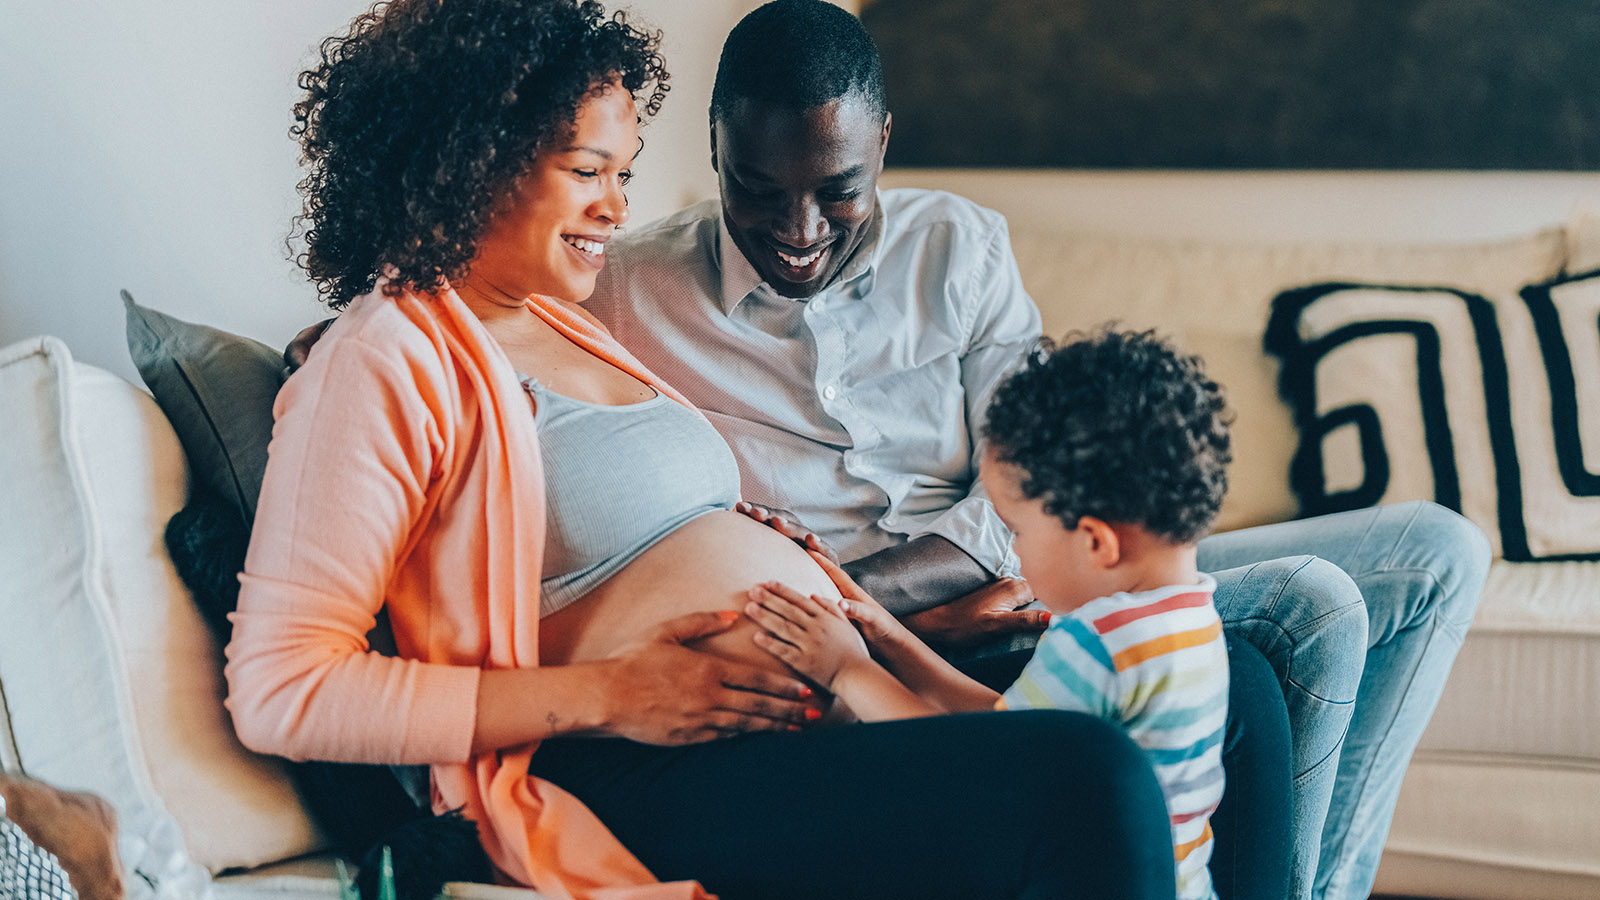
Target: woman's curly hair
[
  {"x": 426, "y": 111},
  {"x": 1116, "y": 425}
]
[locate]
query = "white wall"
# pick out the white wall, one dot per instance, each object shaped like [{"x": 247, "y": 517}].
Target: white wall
[{"x": 144, "y": 144}]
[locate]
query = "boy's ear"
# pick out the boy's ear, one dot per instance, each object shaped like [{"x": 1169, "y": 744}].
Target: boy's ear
[{"x": 1105, "y": 545}]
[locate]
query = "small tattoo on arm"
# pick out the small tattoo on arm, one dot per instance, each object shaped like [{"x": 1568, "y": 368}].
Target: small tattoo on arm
[{"x": 551, "y": 720}]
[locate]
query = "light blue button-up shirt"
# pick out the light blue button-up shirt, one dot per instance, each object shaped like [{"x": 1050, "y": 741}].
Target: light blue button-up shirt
[{"x": 858, "y": 408}]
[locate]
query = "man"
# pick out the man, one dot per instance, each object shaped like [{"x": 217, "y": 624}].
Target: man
[
  {"x": 881, "y": 444},
  {"x": 845, "y": 342}
]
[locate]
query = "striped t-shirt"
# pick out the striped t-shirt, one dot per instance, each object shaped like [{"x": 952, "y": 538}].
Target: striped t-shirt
[{"x": 1155, "y": 663}]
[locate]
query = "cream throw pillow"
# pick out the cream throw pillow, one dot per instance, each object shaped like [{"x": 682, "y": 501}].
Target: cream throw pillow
[
  {"x": 1488, "y": 404},
  {"x": 111, "y": 681}
]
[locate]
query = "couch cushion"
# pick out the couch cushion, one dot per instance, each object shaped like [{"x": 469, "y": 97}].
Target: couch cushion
[
  {"x": 1488, "y": 403},
  {"x": 1214, "y": 298},
  {"x": 1493, "y": 803},
  {"x": 112, "y": 682},
  {"x": 217, "y": 391},
  {"x": 1527, "y": 681},
  {"x": 1494, "y": 828}
]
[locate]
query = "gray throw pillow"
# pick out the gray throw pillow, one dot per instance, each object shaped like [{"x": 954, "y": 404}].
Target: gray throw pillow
[{"x": 217, "y": 391}]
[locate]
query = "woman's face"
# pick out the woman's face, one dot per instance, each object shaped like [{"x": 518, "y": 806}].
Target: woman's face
[{"x": 549, "y": 233}]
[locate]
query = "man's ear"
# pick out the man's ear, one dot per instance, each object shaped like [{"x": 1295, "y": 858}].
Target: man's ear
[
  {"x": 1105, "y": 545},
  {"x": 883, "y": 142},
  {"x": 714, "y": 145}
]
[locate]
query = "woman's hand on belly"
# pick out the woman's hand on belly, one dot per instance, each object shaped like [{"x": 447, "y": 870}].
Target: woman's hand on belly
[
  {"x": 667, "y": 693},
  {"x": 656, "y": 614}
]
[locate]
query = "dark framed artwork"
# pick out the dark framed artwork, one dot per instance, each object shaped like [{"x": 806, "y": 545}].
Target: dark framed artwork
[{"x": 1230, "y": 84}]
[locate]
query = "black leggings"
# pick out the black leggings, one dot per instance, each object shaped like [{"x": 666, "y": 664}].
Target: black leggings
[
  {"x": 1034, "y": 805},
  {"x": 1251, "y": 857}
]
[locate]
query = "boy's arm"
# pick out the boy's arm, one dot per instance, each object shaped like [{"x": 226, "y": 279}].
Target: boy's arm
[
  {"x": 925, "y": 671},
  {"x": 876, "y": 696}
]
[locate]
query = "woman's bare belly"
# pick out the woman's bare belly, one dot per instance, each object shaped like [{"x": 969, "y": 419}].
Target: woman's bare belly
[{"x": 708, "y": 564}]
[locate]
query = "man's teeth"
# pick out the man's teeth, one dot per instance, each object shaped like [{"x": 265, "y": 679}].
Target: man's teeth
[
  {"x": 587, "y": 246},
  {"x": 799, "y": 262}
]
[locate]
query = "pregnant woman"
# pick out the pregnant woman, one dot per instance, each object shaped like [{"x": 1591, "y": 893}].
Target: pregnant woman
[{"x": 548, "y": 530}]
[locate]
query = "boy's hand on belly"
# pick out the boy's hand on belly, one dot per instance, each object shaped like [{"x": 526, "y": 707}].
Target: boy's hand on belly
[
  {"x": 810, "y": 634},
  {"x": 877, "y": 625},
  {"x": 666, "y": 693}
]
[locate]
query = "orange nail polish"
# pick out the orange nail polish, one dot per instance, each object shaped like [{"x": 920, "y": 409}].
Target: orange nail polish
[
  {"x": 806, "y": 693},
  {"x": 728, "y": 615},
  {"x": 813, "y": 714}
]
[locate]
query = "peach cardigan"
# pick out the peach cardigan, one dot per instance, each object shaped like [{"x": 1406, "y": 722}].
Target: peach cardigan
[{"x": 404, "y": 475}]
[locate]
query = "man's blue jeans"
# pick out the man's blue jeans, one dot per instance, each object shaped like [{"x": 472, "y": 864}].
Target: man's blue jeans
[{"x": 1394, "y": 588}]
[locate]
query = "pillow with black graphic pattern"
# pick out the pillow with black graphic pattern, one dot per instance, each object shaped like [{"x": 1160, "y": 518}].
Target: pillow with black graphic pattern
[{"x": 1489, "y": 405}]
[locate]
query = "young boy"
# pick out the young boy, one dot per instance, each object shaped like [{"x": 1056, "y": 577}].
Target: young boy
[{"x": 1107, "y": 458}]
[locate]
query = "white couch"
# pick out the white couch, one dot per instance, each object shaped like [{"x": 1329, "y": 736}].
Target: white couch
[{"x": 110, "y": 682}]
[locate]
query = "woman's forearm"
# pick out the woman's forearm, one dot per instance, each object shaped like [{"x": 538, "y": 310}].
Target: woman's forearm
[{"x": 519, "y": 706}]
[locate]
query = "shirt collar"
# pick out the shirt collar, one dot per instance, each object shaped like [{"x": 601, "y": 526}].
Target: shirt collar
[{"x": 740, "y": 279}]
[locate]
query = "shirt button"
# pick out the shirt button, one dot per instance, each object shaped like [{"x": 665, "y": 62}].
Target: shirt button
[{"x": 829, "y": 392}]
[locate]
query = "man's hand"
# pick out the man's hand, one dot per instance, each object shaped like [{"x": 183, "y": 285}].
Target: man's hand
[
  {"x": 990, "y": 612},
  {"x": 810, "y": 634},
  {"x": 787, "y": 524},
  {"x": 79, "y": 828},
  {"x": 299, "y": 349},
  {"x": 670, "y": 694}
]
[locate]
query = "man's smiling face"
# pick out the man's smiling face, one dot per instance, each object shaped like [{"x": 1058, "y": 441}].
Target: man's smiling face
[{"x": 799, "y": 188}]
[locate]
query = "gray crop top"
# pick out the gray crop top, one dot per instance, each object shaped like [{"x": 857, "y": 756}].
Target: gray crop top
[{"x": 616, "y": 480}]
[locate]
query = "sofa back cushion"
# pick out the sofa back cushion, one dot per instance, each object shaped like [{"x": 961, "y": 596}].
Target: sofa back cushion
[
  {"x": 112, "y": 683},
  {"x": 1214, "y": 299}
]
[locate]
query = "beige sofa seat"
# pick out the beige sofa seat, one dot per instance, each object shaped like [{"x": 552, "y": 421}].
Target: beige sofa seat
[{"x": 1503, "y": 795}]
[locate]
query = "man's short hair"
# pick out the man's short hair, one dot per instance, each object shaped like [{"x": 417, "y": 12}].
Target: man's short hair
[
  {"x": 1120, "y": 426},
  {"x": 800, "y": 54}
]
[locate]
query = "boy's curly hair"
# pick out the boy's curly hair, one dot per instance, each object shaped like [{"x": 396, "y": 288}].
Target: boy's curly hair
[
  {"x": 1116, "y": 425},
  {"x": 426, "y": 111}
]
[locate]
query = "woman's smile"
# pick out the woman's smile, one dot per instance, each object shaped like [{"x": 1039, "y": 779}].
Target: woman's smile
[{"x": 590, "y": 249}]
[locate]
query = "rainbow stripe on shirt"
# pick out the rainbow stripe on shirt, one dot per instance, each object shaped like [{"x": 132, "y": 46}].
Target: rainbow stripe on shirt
[{"x": 1155, "y": 663}]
